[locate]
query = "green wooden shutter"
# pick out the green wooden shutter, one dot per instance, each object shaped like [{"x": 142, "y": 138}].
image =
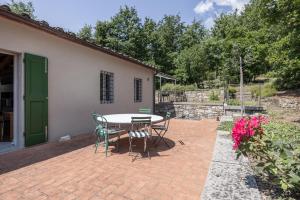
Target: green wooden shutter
[{"x": 36, "y": 99}]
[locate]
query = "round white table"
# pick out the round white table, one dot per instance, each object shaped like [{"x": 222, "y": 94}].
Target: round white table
[{"x": 126, "y": 118}]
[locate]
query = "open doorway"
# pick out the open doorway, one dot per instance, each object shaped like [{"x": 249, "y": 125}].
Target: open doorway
[{"x": 6, "y": 101}]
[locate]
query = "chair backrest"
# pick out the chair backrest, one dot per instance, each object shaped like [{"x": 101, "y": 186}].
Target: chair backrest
[
  {"x": 101, "y": 124},
  {"x": 95, "y": 117},
  {"x": 102, "y": 121},
  {"x": 140, "y": 122},
  {"x": 145, "y": 110},
  {"x": 167, "y": 119}
]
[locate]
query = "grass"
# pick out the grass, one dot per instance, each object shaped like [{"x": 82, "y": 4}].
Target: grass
[
  {"x": 236, "y": 102},
  {"x": 179, "y": 88},
  {"x": 266, "y": 90},
  {"x": 226, "y": 126},
  {"x": 213, "y": 96}
]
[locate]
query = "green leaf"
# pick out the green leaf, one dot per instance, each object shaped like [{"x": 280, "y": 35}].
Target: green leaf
[
  {"x": 283, "y": 185},
  {"x": 295, "y": 179}
]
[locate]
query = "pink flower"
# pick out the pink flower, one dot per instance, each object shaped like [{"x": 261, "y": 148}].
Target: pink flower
[{"x": 245, "y": 128}]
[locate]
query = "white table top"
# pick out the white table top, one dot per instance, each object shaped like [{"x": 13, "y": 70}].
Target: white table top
[{"x": 126, "y": 118}]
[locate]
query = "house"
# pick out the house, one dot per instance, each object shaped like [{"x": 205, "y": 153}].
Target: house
[{"x": 51, "y": 81}]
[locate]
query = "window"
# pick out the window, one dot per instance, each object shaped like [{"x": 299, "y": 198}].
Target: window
[
  {"x": 106, "y": 87},
  {"x": 137, "y": 90}
]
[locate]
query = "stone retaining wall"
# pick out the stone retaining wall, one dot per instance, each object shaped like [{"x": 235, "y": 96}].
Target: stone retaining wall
[
  {"x": 283, "y": 102},
  {"x": 202, "y": 95},
  {"x": 198, "y": 96},
  {"x": 190, "y": 110}
]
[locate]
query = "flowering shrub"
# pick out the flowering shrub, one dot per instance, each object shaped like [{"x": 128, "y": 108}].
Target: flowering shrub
[
  {"x": 274, "y": 148},
  {"x": 245, "y": 129}
]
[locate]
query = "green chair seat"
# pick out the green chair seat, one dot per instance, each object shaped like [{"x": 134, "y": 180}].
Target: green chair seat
[{"x": 145, "y": 110}]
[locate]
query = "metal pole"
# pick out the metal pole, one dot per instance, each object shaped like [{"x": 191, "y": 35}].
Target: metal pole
[
  {"x": 241, "y": 87},
  {"x": 160, "y": 83},
  {"x": 259, "y": 98},
  {"x": 160, "y": 89}
]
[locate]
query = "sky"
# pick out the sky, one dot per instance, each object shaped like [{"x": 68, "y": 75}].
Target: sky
[{"x": 74, "y": 14}]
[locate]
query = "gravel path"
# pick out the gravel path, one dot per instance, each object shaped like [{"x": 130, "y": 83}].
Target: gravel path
[{"x": 229, "y": 178}]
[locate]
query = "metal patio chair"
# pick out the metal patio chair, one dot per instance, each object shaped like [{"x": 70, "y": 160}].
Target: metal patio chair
[
  {"x": 140, "y": 128},
  {"x": 145, "y": 110},
  {"x": 161, "y": 129},
  {"x": 103, "y": 132}
]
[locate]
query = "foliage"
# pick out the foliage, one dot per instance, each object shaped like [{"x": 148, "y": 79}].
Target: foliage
[
  {"x": 86, "y": 32},
  {"x": 282, "y": 146},
  {"x": 233, "y": 102},
  {"x": 255, "y": 90},
  {"x": 177, "y": 87},
  {"x": 161, "y": 43},
  {"x": 276, "y": 148},
  {"x": 191, "y": 87},
  {"x": 232, "y": 92},
  {"x": 283, "y": 52},
  {"x": 211, "y": 82},
  {"x": 245, "y": 130},
  {"x": 213, "y": 96},
  {"x": 265, "y": 37},
  {"x": 191, "y": 68},
  {"x": 226, "y": 126},
  {"x": 269, "y": 44},
  {"x": 22, "y": 7},
  {"x": 237, "y": 102},
  {"x": 266, "y": 90}
]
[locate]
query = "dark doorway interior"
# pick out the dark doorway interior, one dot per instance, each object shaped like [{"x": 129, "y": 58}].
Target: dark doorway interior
[{"x": 6, "y": 97}]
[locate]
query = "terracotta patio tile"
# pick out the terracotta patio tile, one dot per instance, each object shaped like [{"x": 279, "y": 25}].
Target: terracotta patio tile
[
  {"x": 71, "y": 170},
  {"x": 10, "y": 195}
]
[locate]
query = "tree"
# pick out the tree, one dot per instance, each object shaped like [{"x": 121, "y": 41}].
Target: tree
[
  {"x": 266, "y": 36},
  {"x": 191, "y": 65},
  {"x": 21, "y": 7},
  {"x": 242, "y": 39},
  {"x": 169, "y": 32},
  {"x": 125, "y": 33},
  {"x": 284, "y": 54},
  {"x": 150, "y": 39},
  {"x": 86, "y": 32},
  {"x": 193, "y": 34},
  {"x": 102, "y": 32}
]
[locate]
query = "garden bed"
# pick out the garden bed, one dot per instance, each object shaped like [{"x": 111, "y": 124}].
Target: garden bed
[{"x": 275, "y": 158}]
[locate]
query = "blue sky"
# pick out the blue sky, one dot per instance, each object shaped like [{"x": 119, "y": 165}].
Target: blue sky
[{"x": 73, "y": 14}]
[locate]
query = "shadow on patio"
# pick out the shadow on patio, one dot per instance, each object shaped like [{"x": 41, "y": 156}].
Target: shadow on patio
[
  {"x": 22, "y": 158},
  {"x": 138, "y": 145}
]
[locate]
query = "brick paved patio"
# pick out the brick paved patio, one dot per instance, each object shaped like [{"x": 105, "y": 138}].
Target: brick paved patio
[{"x": 71, "y": 170}]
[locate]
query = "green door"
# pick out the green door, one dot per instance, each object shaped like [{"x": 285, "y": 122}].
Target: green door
[{"x": 36, "y": 99}]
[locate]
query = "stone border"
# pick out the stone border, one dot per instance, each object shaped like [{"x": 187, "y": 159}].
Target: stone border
[{"x": 229, "y": 178}]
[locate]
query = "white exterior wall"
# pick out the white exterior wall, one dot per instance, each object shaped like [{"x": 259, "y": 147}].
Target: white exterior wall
[{"x": 74, "y": 79}]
